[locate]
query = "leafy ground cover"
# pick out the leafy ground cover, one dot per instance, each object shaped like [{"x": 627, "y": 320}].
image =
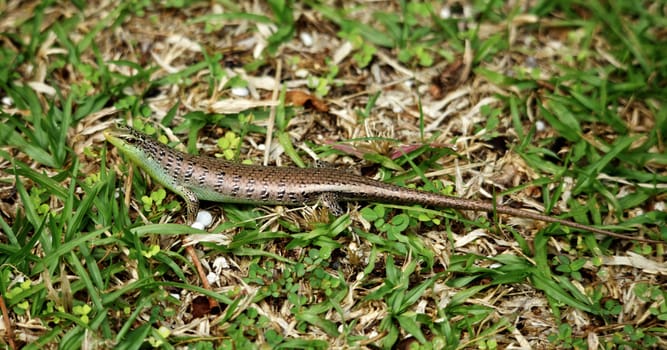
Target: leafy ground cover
[{"x": 550, "y": 106}]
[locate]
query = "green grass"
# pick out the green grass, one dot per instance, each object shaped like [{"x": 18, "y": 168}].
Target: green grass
[{"x": 92, "y": 251}]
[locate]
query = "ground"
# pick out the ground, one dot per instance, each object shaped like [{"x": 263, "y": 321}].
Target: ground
[{"x": 551, "y": 107}]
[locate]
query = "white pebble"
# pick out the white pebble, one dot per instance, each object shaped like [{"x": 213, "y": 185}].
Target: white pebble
[
  {"x": 212, "y": 277},
  {"x": 301, "y": 73},
  {"x": 445, "y": 12},
  {"x": 220, "y": 263},
  {"x": 205, "y": 218},
  {"x": 240, "y": 91},
  {"x": 306, "y": 39},
  {"x": 198, "y": 225}
]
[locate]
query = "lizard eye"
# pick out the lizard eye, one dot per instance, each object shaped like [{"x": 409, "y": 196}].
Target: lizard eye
[{"x": 131, "y": 139}]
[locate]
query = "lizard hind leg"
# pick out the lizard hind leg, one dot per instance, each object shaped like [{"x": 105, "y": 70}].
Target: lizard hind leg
[{"x": 331, "y": 201}]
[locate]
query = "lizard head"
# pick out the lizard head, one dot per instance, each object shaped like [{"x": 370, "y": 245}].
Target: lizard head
[
  {"x": 121, "y": 135},
  {"x": 129, "y": 141}
]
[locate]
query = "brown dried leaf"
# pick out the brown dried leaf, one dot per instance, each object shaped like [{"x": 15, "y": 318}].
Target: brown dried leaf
[
  {"x": 200, "y": 306},
  {"x": 300, "y": 98}
]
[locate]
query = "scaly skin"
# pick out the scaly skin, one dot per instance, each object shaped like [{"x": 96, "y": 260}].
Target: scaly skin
[{"x": 204, "y": 178}]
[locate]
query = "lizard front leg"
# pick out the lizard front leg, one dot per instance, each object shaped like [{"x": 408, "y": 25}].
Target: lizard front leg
[{"x": 191, "y": 203}]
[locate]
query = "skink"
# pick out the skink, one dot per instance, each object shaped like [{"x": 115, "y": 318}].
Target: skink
[{"x": 196, "y": 178}]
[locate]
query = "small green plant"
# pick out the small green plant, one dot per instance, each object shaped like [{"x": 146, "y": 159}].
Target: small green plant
[
  {"x": 488, "y": 344},
  {"x": 51, "y": 308},
  {"x": 655, "y": 295},
  {"x": 422, "y": 53},
  {"x": 20, "y": 291},
  {"x": 613, "y": 307},
  {"x": 569, "y": 267},
  {"x": 321, "y": 280},
  {"x": 229, "y": 145},
  {"x": 159, "y": 336},
  {"x": 135, "y": 105},
  {"x": 151, "y": 252},
  {"x": 146, "y": 128},
  {"x": 82, "y": 312},
  {"x": 564, "y": 338},
  {"x": 322, "y": 85},
  {"x": 154, "y": 203},
  {"x": 36, "y": 196},
  {"x": 92, "y": 179},
  {"x": 245, "y": 329},
  {"x": 154, "y": 200},
  {"x": 637, "y": 338},
  {"x": 398, "y": 229},
  {"x": 365, "y": 51}
]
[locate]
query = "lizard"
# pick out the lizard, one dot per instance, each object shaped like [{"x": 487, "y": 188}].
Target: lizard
[{"x": 196, "y": 178}]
